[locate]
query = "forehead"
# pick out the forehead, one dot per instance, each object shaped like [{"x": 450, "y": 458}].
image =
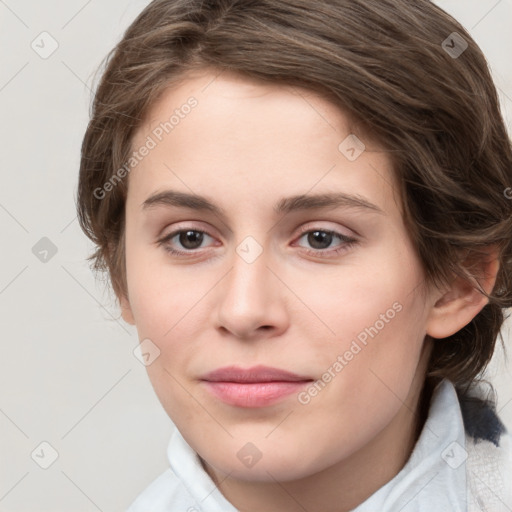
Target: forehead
[
  {"x": 244, "y": 101},
  {"x": 246, "y": 133}
]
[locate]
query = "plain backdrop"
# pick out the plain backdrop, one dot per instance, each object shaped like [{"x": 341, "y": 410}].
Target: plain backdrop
[{"x": 68, "y": 375}]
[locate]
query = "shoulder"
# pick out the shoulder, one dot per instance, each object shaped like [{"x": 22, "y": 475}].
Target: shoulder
[
  {"x": 489, "y": 474},
  {"x": 489, "y": 456}
]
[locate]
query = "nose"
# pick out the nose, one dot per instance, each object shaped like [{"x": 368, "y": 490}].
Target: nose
[{"x": 252, "y": 299}]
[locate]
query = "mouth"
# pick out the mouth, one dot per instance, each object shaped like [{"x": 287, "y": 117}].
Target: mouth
[{"x": 259, "y": 386}]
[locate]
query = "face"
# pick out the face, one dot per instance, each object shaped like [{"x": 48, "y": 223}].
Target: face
[{"x": 328, "y": 289}]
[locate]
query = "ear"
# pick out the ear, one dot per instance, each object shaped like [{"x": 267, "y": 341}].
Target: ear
[
  {"x": 462, "y": 301},
  {"x": 126, "y": 310}
]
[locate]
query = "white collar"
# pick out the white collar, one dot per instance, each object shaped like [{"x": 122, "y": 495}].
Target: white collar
[
  {"x": 185, "y": 464},
  {"x": 434, "y": 477}
]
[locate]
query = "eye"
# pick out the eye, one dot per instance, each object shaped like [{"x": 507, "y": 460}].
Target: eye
[
  {"x": 321, "y": 239},
  {"x": 190, "y": 239}
]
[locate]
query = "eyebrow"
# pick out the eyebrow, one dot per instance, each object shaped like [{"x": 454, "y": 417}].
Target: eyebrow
[{"x": 302, "y": 202}]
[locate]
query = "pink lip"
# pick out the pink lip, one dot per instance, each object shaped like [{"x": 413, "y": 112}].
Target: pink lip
[{"x": 258, "y": 386}]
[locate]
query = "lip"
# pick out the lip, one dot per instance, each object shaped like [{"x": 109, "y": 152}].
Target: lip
[
  {"x": 258, "y": 386},
  {"x": 258, "y": 373}
]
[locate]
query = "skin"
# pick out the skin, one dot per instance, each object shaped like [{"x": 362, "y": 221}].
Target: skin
[{"x": 246, "y": 146}]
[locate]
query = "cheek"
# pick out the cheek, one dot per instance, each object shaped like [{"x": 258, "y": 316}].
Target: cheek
[
  {"x": 381, "y": 374},
  {"x": 378, "y": 318},
  {"x": 160, "y": 294},
  {"x": 376, "y": 294}
]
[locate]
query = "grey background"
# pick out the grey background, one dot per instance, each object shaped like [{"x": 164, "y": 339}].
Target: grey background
[{"x": 68, "y": 375}]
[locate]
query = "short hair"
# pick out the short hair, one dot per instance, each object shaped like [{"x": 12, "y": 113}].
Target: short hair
[{"x": 405, "y": 71}]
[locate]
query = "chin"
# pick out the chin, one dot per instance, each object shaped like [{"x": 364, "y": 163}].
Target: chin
[{"x": 267, "y": 465}]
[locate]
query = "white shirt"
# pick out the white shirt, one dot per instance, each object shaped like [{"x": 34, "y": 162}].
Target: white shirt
[{"x": 438, "y": 476}]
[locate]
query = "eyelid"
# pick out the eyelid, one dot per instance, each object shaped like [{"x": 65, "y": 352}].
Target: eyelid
[
  {"x": 314, "y": 226},
  {"x": 186, "y": 226},
  {"x": 305, "y": 228}
]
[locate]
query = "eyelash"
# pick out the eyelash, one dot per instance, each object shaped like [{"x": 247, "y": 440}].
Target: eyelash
[{"x": 348, "y": 242}]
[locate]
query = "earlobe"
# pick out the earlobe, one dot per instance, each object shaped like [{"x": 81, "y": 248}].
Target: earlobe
[
  {"x": 462, "y": 301},
  {"x": 126, "y": 310}
]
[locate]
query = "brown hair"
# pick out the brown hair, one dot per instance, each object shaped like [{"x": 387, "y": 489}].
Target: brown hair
[{"x": 386, "y": 63}]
